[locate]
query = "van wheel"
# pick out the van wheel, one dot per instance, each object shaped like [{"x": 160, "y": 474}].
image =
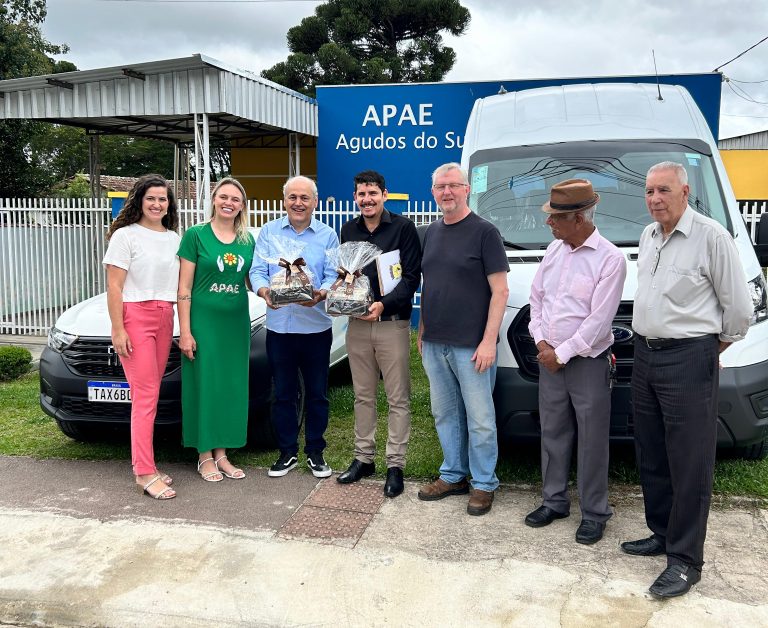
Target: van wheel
[
  {"x": 78, "y": 431},
  {"x": 757, "y": 451},
  {"x": 261, "y": 433}
]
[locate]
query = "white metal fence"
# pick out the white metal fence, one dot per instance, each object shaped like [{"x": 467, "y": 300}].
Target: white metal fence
[
  {"x": 751, "y": 210},
  {"x": 50, "y": 259},
  {"x": 51, "y": 250}
]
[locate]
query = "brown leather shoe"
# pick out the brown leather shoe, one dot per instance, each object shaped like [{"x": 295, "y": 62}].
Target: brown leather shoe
[
  {"x": 440, "y": 489},
  {"x": 480, "y": 502}
]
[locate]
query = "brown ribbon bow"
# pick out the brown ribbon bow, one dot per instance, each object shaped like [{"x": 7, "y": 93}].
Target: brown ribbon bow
[
  {"x": 347, "y": 278},
  {"x": 295, "y": 267}
]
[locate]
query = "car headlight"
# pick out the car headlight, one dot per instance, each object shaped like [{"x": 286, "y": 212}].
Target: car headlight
[
  {"x": 758, "y": 292},
  {"x": 59, "y": 340}
]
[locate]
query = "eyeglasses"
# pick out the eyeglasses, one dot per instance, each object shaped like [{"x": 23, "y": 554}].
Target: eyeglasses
[
  {"x": 292, "y": 198},
  {"x": 440, "y": 187}
]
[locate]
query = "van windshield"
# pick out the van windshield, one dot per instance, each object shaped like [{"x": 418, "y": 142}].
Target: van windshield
[{"x": 509, "y": 185}]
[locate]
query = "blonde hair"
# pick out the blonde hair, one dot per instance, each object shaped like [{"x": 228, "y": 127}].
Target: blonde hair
[{"x": 241, "y": 220}]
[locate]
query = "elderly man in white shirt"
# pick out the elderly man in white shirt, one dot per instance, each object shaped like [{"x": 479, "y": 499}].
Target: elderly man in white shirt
[{"x": 691, "y": 304}]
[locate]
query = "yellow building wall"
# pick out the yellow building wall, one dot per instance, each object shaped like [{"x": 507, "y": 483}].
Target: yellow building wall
[
  {"x": 263, "y": 170},
  {"x": 748, "y": 173}
]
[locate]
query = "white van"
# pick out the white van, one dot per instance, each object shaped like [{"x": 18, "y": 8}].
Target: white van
[
  {"x": 517, "y": 145},
  {"x": 83, "y": 385}
]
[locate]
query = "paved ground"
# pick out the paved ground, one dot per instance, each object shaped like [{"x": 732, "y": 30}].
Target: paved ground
[{"x": 78, "y": 547}]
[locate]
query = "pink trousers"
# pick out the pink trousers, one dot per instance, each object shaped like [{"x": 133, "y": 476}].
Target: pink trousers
[{"x": 150, "y": 327}]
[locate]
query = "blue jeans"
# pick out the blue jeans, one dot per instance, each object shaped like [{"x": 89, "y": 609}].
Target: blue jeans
[
  {"x": 288, "y": 355},
  {"x": 465, "y": 419}
]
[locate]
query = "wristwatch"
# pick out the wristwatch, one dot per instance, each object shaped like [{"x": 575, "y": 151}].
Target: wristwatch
[{"x": 557, "y": 359}]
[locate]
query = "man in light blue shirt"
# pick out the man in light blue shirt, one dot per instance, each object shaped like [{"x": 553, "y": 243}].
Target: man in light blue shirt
[{"x": 298, "y": 335}]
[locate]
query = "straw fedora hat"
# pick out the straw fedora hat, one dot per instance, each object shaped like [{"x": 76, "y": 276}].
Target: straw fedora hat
[{"x": 572, "y": 195}]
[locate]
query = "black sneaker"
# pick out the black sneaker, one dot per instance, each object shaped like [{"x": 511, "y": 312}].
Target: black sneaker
[
  {"x": 316, "y": 463},
  {"x": 284, "y": 463}
]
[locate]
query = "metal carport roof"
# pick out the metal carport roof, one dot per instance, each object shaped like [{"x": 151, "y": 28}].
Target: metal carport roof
[{"x": 188, "y": 101}]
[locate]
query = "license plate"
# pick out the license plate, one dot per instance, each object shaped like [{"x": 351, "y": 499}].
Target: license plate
[{"x": 109, "y": 392}]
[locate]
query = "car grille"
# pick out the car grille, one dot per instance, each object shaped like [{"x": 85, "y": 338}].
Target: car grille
[
  {"x": 95, "y": 357},
  {"x": 525, "y": 352},
  {"x": 167, "y": 411}
]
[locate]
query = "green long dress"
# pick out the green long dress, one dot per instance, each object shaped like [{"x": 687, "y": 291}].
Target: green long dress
[{"x": 214, "y": 386}]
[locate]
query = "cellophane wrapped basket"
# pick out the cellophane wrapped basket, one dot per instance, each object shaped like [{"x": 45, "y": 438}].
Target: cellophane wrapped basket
[
  {"x": 350, "y": 294},
  {"x": 293, "y": 284}
]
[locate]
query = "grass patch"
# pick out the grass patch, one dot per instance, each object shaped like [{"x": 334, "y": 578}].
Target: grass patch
[{"x": 26, "y": 431}]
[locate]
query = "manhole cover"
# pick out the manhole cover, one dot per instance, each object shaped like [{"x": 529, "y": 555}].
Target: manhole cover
[
  {"x": 340, "y": 527},
  {"x": 364, "y": 497}
]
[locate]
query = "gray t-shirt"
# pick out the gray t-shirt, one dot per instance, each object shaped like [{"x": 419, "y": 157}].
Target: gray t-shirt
[{"x": 455, "y": 266}]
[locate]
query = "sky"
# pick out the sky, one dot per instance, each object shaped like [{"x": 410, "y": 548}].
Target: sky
[{"x": 505, "y": 40}]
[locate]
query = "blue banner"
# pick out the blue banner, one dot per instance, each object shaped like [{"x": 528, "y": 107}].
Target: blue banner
[{"x": 406, "y": 131}]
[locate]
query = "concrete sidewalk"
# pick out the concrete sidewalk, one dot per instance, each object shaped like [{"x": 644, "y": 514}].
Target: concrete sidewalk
[{"x": 81, "y": 548}]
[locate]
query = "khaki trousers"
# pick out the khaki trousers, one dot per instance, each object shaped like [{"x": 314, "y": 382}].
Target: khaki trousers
[{"x": 373, "y": 348}]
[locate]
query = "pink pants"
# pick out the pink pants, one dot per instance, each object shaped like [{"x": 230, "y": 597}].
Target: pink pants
[{"x": 150, "y": 327}]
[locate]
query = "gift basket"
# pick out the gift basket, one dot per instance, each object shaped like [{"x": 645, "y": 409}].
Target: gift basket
[
  {"x": 293, "y": 284},
  {"x": 350, "y": 294}
]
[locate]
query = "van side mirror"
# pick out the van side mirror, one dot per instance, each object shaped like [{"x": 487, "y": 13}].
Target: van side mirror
[{"x": 761, "y": 240}]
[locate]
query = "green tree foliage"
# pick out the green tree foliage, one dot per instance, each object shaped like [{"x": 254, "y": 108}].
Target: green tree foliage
[
  {"x": 63, "y": 152},
  {"x": 371, "y": 41},
  {"x": 24, "y": 52},
  {"x": 77, "y": 187}
]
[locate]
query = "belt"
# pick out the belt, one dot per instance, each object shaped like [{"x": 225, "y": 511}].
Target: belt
[
  {"x": 658, "y": 344},
  {"x": 393, "y": 317}
]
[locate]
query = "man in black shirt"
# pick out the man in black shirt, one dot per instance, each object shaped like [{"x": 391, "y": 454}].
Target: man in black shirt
[
  {"x": 380, "y": 342},
  {"x": 462, "y": 305}
]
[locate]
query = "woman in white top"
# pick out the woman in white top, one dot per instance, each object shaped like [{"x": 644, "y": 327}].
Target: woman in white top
[{"x": 142, "y": 281}]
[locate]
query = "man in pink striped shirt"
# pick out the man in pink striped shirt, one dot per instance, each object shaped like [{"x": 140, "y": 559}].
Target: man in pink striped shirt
[{"x": 574, "y": 297}]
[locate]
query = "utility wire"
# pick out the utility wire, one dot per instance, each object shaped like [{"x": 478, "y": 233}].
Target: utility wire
[
  {"x": 747, "y": 82},
  {"x": 738, "y": 115},
  {"x": 741, "y": 54},
  {"x": 744, "y": 95}
]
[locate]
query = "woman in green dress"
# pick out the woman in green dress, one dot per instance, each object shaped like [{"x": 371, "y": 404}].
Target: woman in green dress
[{"x": 215, "y": 332}]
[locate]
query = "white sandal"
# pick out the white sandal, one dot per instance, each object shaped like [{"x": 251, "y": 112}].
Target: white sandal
[
  {"x": 208, "y": 477},
  {"x": 234, "y": 475},
  {"x": 144, "y": 490}
]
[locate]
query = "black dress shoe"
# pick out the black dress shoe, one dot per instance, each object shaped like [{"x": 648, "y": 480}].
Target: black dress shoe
[
  {"x": 675, "y": 580},
  {"x": 394, "y": 484},
  {"x": 589, "y": 532},
  {"x": 644, "y": 547},
  {"x": 543, "y": 516},
  {"x": 356, "y": 471}
]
